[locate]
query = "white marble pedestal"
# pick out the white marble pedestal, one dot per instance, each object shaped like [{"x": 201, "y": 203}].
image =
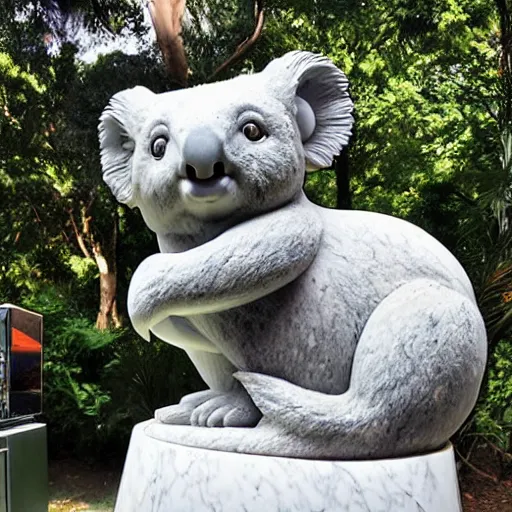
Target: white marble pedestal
[{"x": 165, "y": 477}]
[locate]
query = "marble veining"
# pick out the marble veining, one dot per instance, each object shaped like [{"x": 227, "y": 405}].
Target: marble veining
[
  {"x": 320, "y": 334},
  {"x": 164, "y": 477}
]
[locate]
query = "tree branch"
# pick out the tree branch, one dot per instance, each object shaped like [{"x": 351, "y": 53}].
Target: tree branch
[
  {"x": 243, "y": 47},
  {"x": 79, "y": 237},
  {"x": 36, "y": 214},
  {"x": 507, "y": 457},
  {"x": 92, "y": 194},
  {"x": 477, "y": 470},
  {"x": 463, "y": 197}
]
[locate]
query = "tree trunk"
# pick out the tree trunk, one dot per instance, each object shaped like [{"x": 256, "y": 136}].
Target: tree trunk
[
  {"x": 343, "y": 194},
  {"x": 166, "y": 16},
  {"x": 106, "y": 260},
  {"x": 107, "y": 315}
]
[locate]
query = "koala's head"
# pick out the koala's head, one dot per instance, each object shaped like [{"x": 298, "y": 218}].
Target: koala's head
[{"x": 229, "y": 149}]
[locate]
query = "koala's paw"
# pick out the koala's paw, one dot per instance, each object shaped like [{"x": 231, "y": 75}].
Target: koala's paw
[{"x": 212, "y": 409}]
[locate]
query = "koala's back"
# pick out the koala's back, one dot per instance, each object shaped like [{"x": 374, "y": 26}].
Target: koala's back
[
  {"x": 383, "y": 252},
  {"x": 307, "y": 331}
]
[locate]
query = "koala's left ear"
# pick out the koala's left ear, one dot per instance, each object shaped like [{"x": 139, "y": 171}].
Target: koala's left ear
[
  {"x": 317, "y": 91},
  {"x": 118, "y": 129}
]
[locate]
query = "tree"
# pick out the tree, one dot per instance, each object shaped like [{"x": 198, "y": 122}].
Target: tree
[
  {"x": 50, "y": 161},
  {"x": 432, "y": 87}
]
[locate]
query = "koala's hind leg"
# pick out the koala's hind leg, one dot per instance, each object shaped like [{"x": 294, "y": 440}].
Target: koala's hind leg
[
  {"x": 417, "y": 368},
  {"x": 225, "y": 404},
  {"x": 416, "y": 374}
]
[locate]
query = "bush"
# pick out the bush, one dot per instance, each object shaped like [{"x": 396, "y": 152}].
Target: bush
[
  {"x": 98, "y": 384},
  {"x": 493, "y": 415},
  {"x": 491, "y": 422},
  {"x": 140, "y": 378}
]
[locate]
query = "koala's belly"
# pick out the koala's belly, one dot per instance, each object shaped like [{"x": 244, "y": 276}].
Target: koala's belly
[{"x": 305, "y": 333}]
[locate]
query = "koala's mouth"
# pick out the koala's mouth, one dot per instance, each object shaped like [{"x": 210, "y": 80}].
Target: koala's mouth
[{"x": 207, "y": 185}]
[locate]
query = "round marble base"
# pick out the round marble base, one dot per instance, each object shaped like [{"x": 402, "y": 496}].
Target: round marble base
[{"x": 165, "y": 477}]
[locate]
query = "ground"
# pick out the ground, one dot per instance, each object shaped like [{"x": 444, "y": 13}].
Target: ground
[
  {"x": 482, "y": 495},
  {"x": 483, "y": 491},
  {"x": 75, "y": 486}
]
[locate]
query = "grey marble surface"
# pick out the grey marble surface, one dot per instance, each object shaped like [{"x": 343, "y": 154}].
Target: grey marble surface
[
  {"x": 335, "y": 334},
  {"x": 164, "y": 477}
]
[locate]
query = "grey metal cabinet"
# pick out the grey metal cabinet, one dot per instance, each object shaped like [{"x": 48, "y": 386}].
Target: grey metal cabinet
[{"x": 24, "y": 486}]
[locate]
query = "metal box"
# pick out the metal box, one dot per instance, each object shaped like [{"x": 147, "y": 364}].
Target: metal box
[
  {"x": 23, "y": 469},
  {"x": 21, "y": 365}
]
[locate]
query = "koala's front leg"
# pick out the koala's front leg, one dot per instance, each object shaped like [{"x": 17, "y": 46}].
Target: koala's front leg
[{"x": 243, "y": 264}]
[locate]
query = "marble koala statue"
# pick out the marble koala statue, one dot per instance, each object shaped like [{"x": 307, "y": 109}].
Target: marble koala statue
[{"x": 335, "y": 334}]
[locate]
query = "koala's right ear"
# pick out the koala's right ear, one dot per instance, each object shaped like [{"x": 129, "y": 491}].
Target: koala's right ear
[{"x": 118, "y": 129}]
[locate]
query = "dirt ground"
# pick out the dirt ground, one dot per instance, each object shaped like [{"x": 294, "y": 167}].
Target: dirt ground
[
  {"x": 480, "y": 493},
  {"x": 75, "y": 486}
]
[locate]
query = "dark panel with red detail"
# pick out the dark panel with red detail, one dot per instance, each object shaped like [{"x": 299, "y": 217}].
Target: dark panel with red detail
[{"x": 21, "y": 362}]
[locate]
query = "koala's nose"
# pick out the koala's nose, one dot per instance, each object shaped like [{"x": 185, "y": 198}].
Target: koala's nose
[{"x": 203, "y": 154}]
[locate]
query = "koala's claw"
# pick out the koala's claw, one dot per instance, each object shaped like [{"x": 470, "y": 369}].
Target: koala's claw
[{"x": 212, "y": 409}]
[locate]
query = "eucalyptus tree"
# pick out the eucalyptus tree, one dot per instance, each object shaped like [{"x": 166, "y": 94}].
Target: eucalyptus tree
[{"x": 59, "y": 224}]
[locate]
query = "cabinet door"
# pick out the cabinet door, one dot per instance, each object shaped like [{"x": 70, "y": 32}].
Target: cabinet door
[{"x": 3, "y": 475}]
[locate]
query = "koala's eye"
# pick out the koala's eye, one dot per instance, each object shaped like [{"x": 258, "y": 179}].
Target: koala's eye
[
  {"x": 158, "y": 147},
  {"x": 253, "y": 132}
]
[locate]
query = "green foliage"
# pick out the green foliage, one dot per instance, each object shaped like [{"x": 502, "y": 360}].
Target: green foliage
[
  {"x": 73, "y": 397},
  {"x": 432, "y": 139},
  {"x": 143, "y": 377},
  {"x": 98, "y": 384},
  {"x": 320, "y": 188},
  {"x": 432, "y": 144},
  {"x": 493, "y": 416},
  {"x": 211, "y": 32}
]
